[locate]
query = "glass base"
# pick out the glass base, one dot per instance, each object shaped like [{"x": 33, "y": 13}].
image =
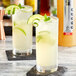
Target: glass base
[
  {"x": 22, "y": 52},
  {"x": 47, "y": 69}
]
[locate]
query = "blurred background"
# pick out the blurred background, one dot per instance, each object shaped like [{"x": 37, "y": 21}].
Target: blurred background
[{"x": 39, "y": 7}]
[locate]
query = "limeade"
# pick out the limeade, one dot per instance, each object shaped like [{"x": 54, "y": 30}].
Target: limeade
[
  {"x": 47, "y": 45},
  {"x": 46, "y": 42},
  {"x": 22, "y": 32}
]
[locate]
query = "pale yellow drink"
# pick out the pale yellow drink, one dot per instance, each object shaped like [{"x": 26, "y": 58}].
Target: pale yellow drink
[
  {"x": 22, "y": 32},
  {"x": 47, "y": 45}
]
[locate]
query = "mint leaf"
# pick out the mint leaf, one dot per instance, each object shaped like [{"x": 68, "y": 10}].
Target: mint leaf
[
  {"x": 13, "y": 12},
  {"x": 46, "y": 18},
  {"x": 54, "y": 12},
  {"x": 9, "y": 12},
  {"x": 20, "y": 6}
]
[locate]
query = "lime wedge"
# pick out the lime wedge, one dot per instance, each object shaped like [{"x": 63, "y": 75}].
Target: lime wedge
[
  {"x": 44, "y": 32},
  {"x": 14, "y": 23},
  {"x": 38, "y": 38},
  {"x": 35, "y": 18},
  {"x": 45, "y": 37},
  {"x": 20, "y": 29},
  {"x": 11, "y": 9}
]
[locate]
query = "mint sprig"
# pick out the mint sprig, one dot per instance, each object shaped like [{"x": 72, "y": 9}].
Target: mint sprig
[
  {"x": 54, "y": 11},
  {"x": 9, "y": 12},
  {"x": 46, "y": 18},
  {"x": 13, "y": 12},
  {"x": 20, "y": 6}
]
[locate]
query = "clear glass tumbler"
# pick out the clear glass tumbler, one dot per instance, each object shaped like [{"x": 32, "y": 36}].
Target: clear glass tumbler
[
  {"x": 47, "y": 45},
  {"x": 22, "y": 32}
]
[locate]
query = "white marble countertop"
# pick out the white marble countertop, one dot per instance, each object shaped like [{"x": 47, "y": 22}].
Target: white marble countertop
[{"x": 67, "y": 58}]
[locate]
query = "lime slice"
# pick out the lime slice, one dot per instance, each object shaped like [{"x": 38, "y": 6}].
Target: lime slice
[
  {"x": 11, "y": 9},
  {"x": 44, "y": 32},
  {"x": 34, "y": 19},
  {"x": 14, "y": 23},
  {"x": 45, "y": 37},
  {"x": 20, "y": 29}
]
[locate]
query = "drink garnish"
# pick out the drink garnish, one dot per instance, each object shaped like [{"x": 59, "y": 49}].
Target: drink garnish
[
  {"x": 20, "y": 29},
  {"x": 11, "y": 9},
  {"x": 34, "y": 19},
  {"x": 54, "y": 11},
  {"x": 20, "y": 6},
  {"x": 42, "y": 35},
  {"x": 45, "y": 37},
  {"x": 46, "y": 18}
]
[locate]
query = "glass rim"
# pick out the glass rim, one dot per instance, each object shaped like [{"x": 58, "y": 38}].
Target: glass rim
[
  {"x": 53, "y": 19},
  {"x": 56, "y": 18},
  {"x": 26, "y": 9}
]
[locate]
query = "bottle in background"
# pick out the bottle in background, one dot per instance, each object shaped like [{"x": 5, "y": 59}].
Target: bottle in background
[
  {"x": 34, "y": 4},
  {"x": 17, "y": 2},
  {"x": 66, "y": 12},
  {"x": 45, "y": 7},
  {"x": 55, "y": 3},
  {"x": 1, "y": 3},
  {"x": 54, "y": 7},
  {"x": 6, "y": 3}
]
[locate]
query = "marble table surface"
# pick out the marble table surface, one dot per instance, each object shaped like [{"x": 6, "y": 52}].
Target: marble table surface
[{"x": 67, "y": 58}]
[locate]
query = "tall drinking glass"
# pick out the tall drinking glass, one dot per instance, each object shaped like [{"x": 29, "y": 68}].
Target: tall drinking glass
[
  {"x": 47, "y": 45},
  {"x": 22, "y": 32}
]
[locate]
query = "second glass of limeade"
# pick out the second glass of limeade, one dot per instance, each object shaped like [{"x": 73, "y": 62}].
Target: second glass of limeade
[
  {"x": 22, "y": 32},
  {"x": 46, "y": 43}
]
